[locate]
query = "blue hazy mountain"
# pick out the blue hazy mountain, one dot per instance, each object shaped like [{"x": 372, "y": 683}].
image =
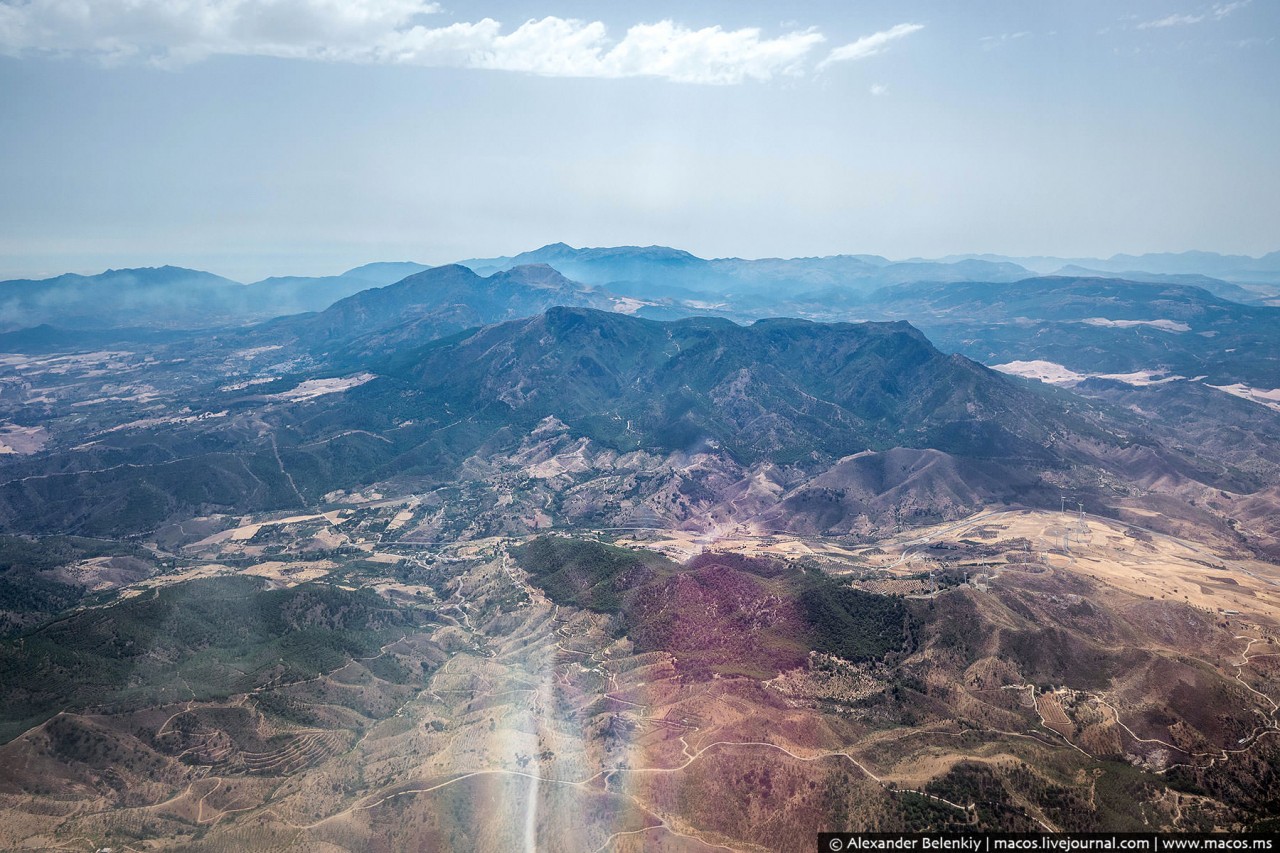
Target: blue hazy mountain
[
  {"x": 1216, "y": 286},
  {"x": 1238, "y": 269},
  {"x": 1228, "y": 267},
  {"x": 1093, "y": 325},
  {"x": 382, "y": 273},
  {"x": 170, "y": 297},
  {"x": 436, "y": 302},
  {"x": 166, "y": 297},
  {"x": 283, "y": 295},
  {"x": 664, "y": 271}
]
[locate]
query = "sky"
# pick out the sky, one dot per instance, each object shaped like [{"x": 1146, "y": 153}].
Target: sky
[{"x": 308, "y": 136}]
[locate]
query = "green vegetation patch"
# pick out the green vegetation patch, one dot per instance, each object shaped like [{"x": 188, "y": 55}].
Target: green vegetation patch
[
  {"x": 27, "y": 593},
  {"x": 208, "y": 638},
  {"x": 49, "y": 552},
  {"x": 972, "y": 783},
  {"x": 31, "y": 593},
  {"x": 587, "y": 574},
  {"x": 853, "y": 624},
  {"x": 919, "y": 813}
]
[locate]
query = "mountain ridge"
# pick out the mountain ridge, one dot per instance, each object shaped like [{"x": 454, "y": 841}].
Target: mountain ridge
[
  {"x": 663, "y": 267},
  {"x": 780, "y": 392}
]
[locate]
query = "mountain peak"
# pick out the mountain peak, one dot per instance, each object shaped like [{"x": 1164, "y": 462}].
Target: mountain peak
[
  {"x": 549, "y": 252},
  {"x": 539, "y": 275},
  {"x": 164, "y": 272},
  {"x": 385, "y": 272}
]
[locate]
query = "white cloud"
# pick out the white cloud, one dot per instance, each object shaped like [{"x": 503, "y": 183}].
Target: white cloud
[
  {"x": 1171, "y": 21},
  {"x": 870, "y": 45},
  {"x": 879, "y": 89},
  {"x": 187, "y": 30},
  {"x": 558, "y": 47},
  {"x": 172, "y": 32}
]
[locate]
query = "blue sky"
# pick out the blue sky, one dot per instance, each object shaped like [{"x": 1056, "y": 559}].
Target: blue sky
[{"x": 307, "y": 136}]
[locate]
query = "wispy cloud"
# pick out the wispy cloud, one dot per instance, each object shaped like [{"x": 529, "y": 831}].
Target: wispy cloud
[
  {"x": 992, "y": 42},
  {"x": 1171, "y": 21},
  {"x": 1221, "y": 10},
  {"x": 176, "y": 32},
  {"x": 870, "y": 45},
  {"x": 1217, "y": 12},
  {"x": 879, "y": 89}
]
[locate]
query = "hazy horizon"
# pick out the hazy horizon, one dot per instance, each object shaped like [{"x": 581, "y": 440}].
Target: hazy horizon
[
  {"x": 321, "y": 271},
  {"x": 306, "y": 138}
]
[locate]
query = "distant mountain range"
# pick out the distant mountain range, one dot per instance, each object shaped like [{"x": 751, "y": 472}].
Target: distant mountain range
[
  {"x": 662, "y": 271},
  {"x": 177, "y": 298},
  {"x": 167, "y": 297},
  {"x": 1095, "y": 325},
  {"x": 1082, "y": 326},
  {"x": 1217, "y": 287},
  {"x": 674, "y": 269},
  {"x": 436, "y": 302},
  {"x": 1233, "y": 268}
]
